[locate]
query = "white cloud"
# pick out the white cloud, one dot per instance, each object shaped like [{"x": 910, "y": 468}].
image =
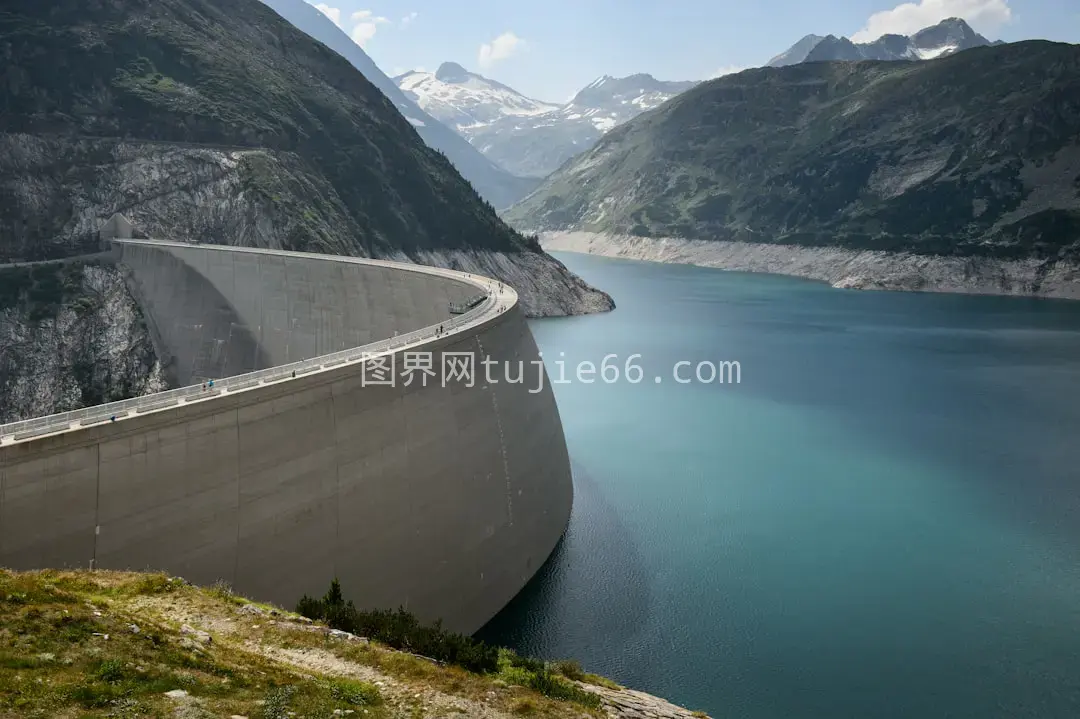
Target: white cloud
[
  {"x": 726, "y": 70},
  {"x": 498, "y": 49},
  {"x": 334, "y": 13},
  {"x": 985, "y": 16},
  {"x": 408, "y": 19},
  {"x": 367, "y": 23}
]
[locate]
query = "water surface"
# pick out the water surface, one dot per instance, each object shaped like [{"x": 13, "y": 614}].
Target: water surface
[{"x": 881, "y": 520}]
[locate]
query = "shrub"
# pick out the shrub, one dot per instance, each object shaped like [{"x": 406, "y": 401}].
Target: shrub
[
  {"x": 552, "y": 685},
  {"x": 549, "y": 680},
  {"x": 525, "y": 707},
  {"x": 399, "y": 629},
  {"x": 93, "y": 696},
  {"x": 111, "y": 671},
  {"x": 571, "y": 669},
  {"x": 155, "y": 584},
  {"x": 527, "y": 663},
  {"x": 277, "y": 702},
  {"x": 355, "y": 693}
]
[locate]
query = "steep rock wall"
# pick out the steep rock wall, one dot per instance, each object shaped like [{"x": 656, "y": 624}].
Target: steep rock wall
[{"x": 71, "y": 336}]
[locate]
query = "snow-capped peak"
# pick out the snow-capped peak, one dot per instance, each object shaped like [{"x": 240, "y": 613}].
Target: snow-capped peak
[
  {"x": 465, "y": 99},
  {"x": 527, "y": 137}
]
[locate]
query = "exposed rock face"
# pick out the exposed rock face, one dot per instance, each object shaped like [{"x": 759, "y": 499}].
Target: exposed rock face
[
  {"x": 796, "y": 53},
  {"x": 167, "y": 190},
  {"x": 631, "y": 704},
  {"x": 238, "y": 196},
  {"x": 71, "y": 336},
  {"x": 842, "y": 268}
]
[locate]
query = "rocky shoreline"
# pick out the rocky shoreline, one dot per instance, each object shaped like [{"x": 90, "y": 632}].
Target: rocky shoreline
[
  {"x": 839, "y": 267},
  {"x": 544, "y": 286}
]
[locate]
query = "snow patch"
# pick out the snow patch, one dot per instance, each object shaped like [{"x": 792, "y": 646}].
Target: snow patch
[
  {"x": 930, "y": 53},
  {"x": 603, "y": 124}
]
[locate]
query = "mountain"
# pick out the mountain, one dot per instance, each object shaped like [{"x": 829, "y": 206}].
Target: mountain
[
  {"x": 494, "y": 184},
  {"x": 461, "y": 98},
  {"x": 219, "y": 121},
  {"x": 796, "y": 53},
  {"x": 974, "y": 154},
  {"x": 947, "y": 37},
  {"x": 528, "y": 137}
]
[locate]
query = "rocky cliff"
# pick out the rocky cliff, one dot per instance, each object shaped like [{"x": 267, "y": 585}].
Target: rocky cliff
[{"x": 71, "y": 336}]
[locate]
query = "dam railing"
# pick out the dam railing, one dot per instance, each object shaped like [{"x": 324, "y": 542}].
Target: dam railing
[
  {"x": 467, "y": 305},
  {"x": 99, "y": 414}
]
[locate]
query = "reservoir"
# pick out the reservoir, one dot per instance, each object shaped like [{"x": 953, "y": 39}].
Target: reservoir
[{"x": 880, "y": 519}]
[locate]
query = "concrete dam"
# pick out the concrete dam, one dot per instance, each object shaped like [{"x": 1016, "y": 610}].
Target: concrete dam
[{"x": 343, "y": 435}]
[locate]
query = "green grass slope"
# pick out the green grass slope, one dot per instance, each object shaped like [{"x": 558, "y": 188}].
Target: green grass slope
[{"x": 112, "y": 644}]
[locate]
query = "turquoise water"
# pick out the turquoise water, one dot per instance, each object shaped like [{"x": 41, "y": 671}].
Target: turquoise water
[{"x": 881, "y": 520}]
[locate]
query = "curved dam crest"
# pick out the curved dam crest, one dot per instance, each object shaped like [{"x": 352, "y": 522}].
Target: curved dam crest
[{"x": 437, "y": 496}]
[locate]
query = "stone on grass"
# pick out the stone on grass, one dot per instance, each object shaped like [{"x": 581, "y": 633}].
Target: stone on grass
[{"x": 197, "y": 635}]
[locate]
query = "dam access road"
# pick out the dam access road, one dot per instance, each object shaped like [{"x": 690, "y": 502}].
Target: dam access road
[{"x": 320, "y": 450}]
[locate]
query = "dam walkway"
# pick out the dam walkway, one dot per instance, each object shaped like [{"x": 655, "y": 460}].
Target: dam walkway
[{"x": 493, "y": 299}]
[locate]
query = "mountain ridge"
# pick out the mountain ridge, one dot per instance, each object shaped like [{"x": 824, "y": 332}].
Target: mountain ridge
[
  {"x": 495, "y": 184},
  {"x": 525, "y": 136},
  {"x": 463, "y": 99},
  {"x": 946, "y": 37},
  {"x": 889, "y": 156}
]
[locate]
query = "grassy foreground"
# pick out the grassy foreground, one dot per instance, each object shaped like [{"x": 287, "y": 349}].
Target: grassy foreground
[{"x": 111, "y": 644}]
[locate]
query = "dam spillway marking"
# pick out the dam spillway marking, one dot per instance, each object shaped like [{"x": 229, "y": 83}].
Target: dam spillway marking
[{"x": 500, "y": 298}]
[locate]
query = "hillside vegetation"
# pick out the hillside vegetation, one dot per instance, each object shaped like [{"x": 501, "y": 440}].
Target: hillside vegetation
[
  {"x": 336, "y": 160},
  {"x": 110, "y": 644},
  {"x": 975, "y": 154}
]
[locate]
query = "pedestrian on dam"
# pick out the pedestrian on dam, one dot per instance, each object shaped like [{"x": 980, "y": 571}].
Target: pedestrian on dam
[{"x": 211, "y": 384}]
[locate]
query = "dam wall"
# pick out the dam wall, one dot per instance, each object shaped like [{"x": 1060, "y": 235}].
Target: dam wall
[
  {"x": 441, "y": 496},
  {"x": 217, "y": 312}
]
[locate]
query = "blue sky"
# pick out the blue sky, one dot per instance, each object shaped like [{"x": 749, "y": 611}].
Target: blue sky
[{"x": 550, "y": 50}]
